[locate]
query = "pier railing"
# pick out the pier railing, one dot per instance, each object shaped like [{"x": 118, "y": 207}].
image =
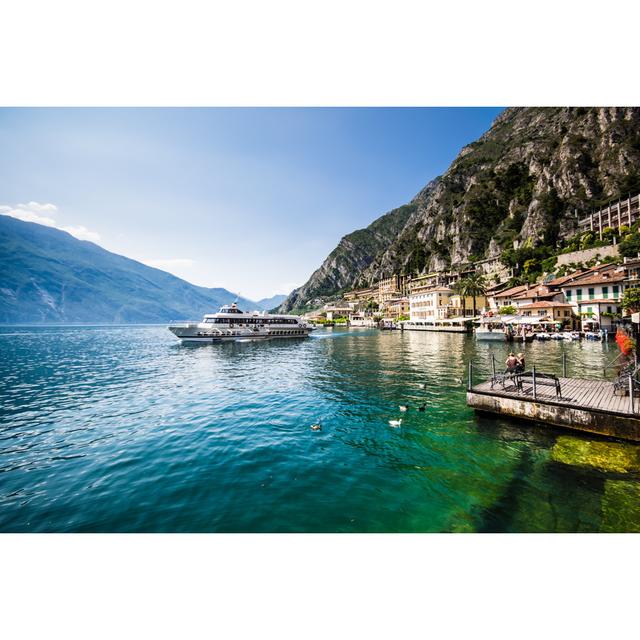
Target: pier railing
[{"x": 627, "y": 379}]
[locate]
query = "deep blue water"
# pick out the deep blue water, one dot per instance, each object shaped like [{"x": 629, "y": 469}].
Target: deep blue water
[{"x": 123, "y": 429}]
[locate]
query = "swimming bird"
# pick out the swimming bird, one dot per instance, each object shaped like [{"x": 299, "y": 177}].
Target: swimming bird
[
  {"x": 396, "y": 423},
  {"x": 316, "y": 427},
  {"x": 458, "y": 380},
  {"x": 422, "y": 407},
  {"x": 403, "y": 407}
]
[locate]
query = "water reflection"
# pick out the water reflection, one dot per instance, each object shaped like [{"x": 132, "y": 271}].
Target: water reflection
[{"x": 124, "y": 429}]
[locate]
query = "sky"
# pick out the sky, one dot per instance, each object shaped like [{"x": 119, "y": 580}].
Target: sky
[{"x": 249, "y": 199}]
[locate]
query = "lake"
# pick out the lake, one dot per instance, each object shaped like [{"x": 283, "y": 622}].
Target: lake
[{"x": 123, "y": 429}]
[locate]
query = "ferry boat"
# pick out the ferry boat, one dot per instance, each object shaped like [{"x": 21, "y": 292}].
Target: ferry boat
[
  {"x": 491, "y": 329},
  {"x": 231, "y": 324}
]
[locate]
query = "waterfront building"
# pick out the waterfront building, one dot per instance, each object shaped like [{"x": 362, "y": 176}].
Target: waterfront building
[
  {"x": 505, "y": 298},
  {"x": 429, "y": 303},
  {"x": 358, "y": 319},
  {"x": 424, "y": 280},
  {"x": 395, "y": 308},
  {"x": 334, "y": 311},
  {"x": 596, "y": 296},
  {"x": 549, "y": 310},
  {"x": 490, "y": 294},
  {"x": 391, "y": 288},
  {"x": 631, "y": 268},
  {"x": 537, "y": 293},
  {"x": 459, "y": 307}
]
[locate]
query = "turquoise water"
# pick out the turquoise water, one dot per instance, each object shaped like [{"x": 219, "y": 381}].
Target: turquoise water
[{"x": 123, "y": 429}]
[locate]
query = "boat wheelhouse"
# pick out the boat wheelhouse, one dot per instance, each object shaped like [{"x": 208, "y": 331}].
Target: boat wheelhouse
[{"x": 231, "y": 324}]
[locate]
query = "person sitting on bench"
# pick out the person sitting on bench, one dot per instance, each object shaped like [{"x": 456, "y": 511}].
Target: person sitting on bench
[{"x": 520, "y": 365}]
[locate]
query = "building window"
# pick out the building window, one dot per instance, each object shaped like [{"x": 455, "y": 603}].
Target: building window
[
  {"x": 608, "y": 309},
  {"x": 592, "y": 293},
  {"x": 579, "y": 292},
  {"x": 605, "y": 292},
  {"x": 568, "y": 294},
  {"x": 615, "y": 290}
]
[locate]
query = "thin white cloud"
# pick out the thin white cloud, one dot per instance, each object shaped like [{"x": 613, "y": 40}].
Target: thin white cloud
[
  {"x": 41, "y": 208},
  {"x": 32, "y": 212},
  {"x": 82, "y": 233}
]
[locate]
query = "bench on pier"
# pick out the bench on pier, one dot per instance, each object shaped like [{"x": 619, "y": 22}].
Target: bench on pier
[
  {"x": 542, "y": 380},
  {"x": 505, "y": 378}
]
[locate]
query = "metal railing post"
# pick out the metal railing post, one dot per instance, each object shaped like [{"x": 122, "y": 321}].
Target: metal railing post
[
  {"x": 535, "y": 394},
  {"x": 564, "y": 364},
  {"x": 493, "y": 365},
  {"x": 469, "y": 381},
  {"x": 631, "y": 409}
]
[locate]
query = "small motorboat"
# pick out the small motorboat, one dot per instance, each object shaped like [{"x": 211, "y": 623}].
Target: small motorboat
[{"x": 542, "y": 335}]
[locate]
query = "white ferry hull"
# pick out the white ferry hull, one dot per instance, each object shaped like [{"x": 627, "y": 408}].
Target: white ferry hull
[
  {"x": 232, "y": 325},
  {"x": 491, "y": 335}
]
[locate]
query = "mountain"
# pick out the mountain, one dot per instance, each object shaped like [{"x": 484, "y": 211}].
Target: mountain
[
  {"x": 271, "y": 303},
  {"x": 353, "y": 255},
  {"x": 518, "y": 185},
  {"x": 50, "y": 276}
]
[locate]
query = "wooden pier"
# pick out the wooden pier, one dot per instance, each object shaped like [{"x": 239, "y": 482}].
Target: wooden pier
[{"x": 583, "y": 405}]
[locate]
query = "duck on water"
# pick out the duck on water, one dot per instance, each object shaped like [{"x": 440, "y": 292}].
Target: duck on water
[{"x": 231, "y": 324}]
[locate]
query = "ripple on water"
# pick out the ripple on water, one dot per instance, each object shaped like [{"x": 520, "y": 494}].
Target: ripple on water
[{"x": 124, "y": 429}]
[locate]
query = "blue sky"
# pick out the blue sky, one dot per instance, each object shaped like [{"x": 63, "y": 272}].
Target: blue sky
[{"x": 248, "y": 199}]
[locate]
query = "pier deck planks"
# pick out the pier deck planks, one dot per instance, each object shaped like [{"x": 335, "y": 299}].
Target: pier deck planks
[
  {"x": 586, "y": 405},
  {"x": 576, "y": 393}
]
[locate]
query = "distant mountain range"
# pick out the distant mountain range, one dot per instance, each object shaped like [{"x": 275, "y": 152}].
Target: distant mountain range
[
  {"x": 272, "y": 302},
  {"x": 50, "y": 276}
]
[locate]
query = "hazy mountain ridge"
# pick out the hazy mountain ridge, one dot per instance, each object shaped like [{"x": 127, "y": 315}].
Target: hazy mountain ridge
[
  {"x": 271, "y": 303},
  {"x": 521, "y": 181},
  {"x": 50, "y": 276}
]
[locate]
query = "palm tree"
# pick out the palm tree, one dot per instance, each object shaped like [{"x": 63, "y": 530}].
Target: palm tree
[
  {"x": 473, "y": 285},
  {"x": 458, "y": 287}
]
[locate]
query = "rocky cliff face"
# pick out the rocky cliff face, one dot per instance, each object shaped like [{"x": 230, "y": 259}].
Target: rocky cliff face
[
  {"x": 349, "y": 259},
  {"x": 522, "y": 182}
]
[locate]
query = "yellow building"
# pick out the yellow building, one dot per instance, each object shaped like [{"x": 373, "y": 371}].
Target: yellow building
[
  {"x": 549, "y": 311},
  {"x": 459, "y": 307},
  {"x": 391, "y": 288},
  {"x": 396, "y": 308}
]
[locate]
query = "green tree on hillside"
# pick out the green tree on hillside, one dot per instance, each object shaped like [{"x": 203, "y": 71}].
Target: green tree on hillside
[
  {"x": 630, "y": 245},
  {"x": 631, "y": 299}
]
